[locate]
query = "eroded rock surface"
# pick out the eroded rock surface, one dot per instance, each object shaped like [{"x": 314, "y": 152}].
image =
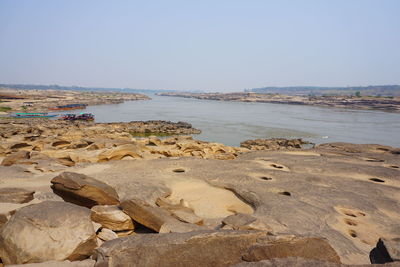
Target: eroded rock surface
[
  {"x": 50, "y": 230},
  {"x": 208, "y": 248},
  {"x": 112, "y": 217}
]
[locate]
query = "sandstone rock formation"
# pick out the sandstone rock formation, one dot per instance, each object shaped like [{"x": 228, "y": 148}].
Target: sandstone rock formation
[
  {"x": 208, "y": 248},
  {"x": 15, "y": 195},
  {"x": 16, "y": 157},
  {"x": 83, "y": 190},
  {"x": 274, "y": 144},
  {"x": 50, "y": 230},
  {"x": 155, "y": 218},
  {"x": 341, "y": 101},
  {"x": 241, "y": 221},
  {"x": 112, "y": 217},
  {"x": 84, "y": 263}
]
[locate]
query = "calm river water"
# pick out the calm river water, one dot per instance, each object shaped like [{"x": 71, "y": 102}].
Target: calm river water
[{"x": 233, "y": 122}]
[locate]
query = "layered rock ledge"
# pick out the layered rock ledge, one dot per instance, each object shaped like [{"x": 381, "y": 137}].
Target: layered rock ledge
[
  {"x": 365, "y": 102},
  {"x": 94, "y": 192}
]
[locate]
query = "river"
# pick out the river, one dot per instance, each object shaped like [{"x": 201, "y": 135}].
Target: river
[{"x": 233, "y": 122}]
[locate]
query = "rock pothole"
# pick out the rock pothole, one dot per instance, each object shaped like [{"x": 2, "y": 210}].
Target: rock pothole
[
  {"x": 351, "y": 212},
  {"x": 352, "y": 233},
  {"x": 376, "y": 180},
  {"x": 265, "y": 178},
  {"x": 179, "y": 170},
  {"x": 285, "y": 193},
  {"x": 273, "y": 165},
  {"x": 350, "y": 222},
  {"x": 374, "y": 160}
]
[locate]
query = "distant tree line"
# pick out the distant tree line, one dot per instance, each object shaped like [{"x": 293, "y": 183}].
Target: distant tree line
[{"x": 383, "y": 90}]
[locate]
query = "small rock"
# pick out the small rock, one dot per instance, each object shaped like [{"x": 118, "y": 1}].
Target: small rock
[
  {"x": 112, "y": 217},
  {"x": 107, "y": 234},
  {"x": 15, "y": 195}
]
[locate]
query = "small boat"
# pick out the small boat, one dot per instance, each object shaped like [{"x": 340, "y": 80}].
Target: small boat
[
  {"x": 33, "y": 115},
  {"x": 70, "y": 107},
  {"x": 81, "y": 117}
]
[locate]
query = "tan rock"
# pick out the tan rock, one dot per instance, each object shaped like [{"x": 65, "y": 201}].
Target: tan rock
[
  {"x": 84, "y": 263},
  {"x": 112, "y": 217},
  {"x": 209, "y": 248},
  {"x": 15, "y": 195},
  {"x": 16, "y": 157},
  {"x": 180, "y": 211},
  {"x": 106, "y": 234},
  {"x": 242, "y": 221},
  {"x": 120, "y": 152},
  {"x": 50, "y": 230},
  {"x": 155, "y": 218},
  {"x": 83, "y": 190}
]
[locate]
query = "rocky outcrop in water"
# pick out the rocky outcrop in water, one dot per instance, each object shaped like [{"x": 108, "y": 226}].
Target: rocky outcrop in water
[
  {"x": 274, "y": 144},
  {"x": 368, "y": 102}
]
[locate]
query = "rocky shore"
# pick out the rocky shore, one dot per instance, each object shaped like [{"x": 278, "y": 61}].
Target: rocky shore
[
  {"x": 97, "y": 194},
  {"x": 12, "y": 100},
  {"x": 364, "y": 102}
]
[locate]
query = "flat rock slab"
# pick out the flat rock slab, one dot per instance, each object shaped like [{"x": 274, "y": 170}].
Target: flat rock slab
[
  {"x": 84, "y": 263},
  {"x": 209, "y": 248},
  {"x": 15, "y": 195},
  {"x": 50, "y": 230},
  {"x": 83, "y": 190}
]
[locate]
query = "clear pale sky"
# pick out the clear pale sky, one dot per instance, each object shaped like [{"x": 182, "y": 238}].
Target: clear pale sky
[{"x": 212, "y": 45}]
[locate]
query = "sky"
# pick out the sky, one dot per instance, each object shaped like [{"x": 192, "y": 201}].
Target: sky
[{"x": 210, "y": 45}]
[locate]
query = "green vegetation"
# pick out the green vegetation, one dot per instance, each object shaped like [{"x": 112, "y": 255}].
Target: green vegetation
[
  {"x": 4, "y": 109},
  {"x": 358, "y": 94},
  {"x": 24, "y": 107}
]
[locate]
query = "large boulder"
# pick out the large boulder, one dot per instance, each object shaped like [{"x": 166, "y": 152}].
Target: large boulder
[
  {"x": 112, "y": 217},
  {"x": 50, "y": 230},
  {"x": 208, "y": 248},
  {"x": 15, "y": 195},
  {"x": 155, "y": 218},
  {"x": 83, "y": 190}
]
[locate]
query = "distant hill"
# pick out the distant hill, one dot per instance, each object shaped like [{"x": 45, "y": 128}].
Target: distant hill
[
  {"x": 77, "y": 88},
  {"x": 384, "y": 90}
]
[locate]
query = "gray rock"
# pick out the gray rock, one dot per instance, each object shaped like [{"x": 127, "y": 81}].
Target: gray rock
[
  {"x": 208, "y": 248},
  {"x": 15, "y": 195}
]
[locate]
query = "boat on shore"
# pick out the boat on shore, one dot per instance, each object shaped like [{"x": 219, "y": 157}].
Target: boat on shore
[
  {"x": 69, "y": 107},
  {"x": 81, "y": 117},
  {"x": 34, "y": 115}
]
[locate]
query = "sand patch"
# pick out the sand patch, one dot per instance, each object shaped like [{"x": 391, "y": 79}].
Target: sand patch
[{"x": 207, "y": 201}]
